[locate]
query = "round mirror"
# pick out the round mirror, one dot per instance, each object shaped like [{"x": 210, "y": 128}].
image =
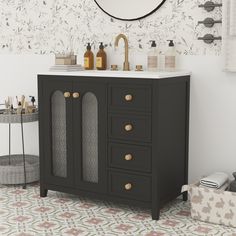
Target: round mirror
[{"x": 129, "y": 9}]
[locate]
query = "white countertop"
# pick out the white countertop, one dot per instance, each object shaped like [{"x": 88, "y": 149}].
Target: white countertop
[{"x": 121, "y": 74}]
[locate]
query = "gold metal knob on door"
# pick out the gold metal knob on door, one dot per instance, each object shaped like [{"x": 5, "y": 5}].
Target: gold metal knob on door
[
  {"x": 128, "y": 186},
  {"x": 76, "y": 95},
  {"x": 128, "y": 97},
  {"x": 128, "y": 127},
  {"x": 66, "y": 94},
  {"x": 128, "y": 157}
]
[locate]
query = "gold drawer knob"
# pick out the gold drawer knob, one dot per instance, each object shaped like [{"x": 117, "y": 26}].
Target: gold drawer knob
[
  {"x": 76, "y": 95},
  {"x": 128, "y": 157},
  {"x": 128, "y": 127},
  {"x": 128, "y": 186},
  {"x": 128, "y": 97},
  {"x": 66, "y": 94}
]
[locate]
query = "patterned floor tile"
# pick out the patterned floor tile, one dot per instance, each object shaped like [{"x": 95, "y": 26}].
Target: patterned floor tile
[{"x": 24, "y": 213}]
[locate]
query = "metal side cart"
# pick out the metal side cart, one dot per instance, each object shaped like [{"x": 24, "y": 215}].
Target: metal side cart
[{"x": 18, "y": 168}]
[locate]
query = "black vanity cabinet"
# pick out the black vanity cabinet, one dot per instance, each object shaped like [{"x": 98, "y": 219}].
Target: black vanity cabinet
[{"x": 118, "y": 139}]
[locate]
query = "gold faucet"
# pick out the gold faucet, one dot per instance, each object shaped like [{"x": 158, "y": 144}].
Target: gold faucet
[{"x": 126, "y": 62}]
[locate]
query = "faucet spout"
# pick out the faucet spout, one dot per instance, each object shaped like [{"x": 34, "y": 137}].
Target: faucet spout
[{"x": 126, "y": 62}]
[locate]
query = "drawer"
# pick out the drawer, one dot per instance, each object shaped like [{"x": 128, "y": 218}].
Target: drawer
[
  {"x": 133, "y": 128},
  {"x": 130, "y": 157},
  {"x": 130, "y": 186},
  {"x": 130, "y": 97}
]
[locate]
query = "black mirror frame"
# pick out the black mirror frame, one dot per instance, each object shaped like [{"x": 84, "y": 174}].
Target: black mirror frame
[{"x": 133, "y": 19}]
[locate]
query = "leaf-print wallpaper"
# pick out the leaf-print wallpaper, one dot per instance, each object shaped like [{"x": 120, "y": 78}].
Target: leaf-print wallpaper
[{"x": 49, "y": 26}]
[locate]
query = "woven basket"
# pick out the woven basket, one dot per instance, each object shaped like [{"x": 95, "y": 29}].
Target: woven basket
[
  {"x": 14, "y": 173},
  {"x": 15, "y": 118}
]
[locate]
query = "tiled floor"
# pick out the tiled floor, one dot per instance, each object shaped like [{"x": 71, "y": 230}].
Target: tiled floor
[{"x": 24, "y": 213}]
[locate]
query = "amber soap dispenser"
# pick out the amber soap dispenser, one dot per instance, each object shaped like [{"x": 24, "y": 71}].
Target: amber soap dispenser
[
  {"x": 101, "y": 59},
  {"x": 88, "y": 58}
]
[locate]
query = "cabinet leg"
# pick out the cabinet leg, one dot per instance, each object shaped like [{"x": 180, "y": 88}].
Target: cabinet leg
[
  {"x": 43, "y": 192},
  {"x": 185, "y": 196},
  {"x": 155, "y": 214}
]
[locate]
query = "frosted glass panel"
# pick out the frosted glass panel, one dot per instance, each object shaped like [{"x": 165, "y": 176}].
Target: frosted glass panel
[
  {"x": 90, "y": 137},
  {"x": 58, "y": 106}
]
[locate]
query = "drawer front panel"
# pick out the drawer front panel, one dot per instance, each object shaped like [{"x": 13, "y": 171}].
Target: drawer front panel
[
  {"x": 136, "y": 128},
  {"x": 130, "y": 186},
  {"x": 132, "y": 98},
  {"x": 130, "y": 157}
]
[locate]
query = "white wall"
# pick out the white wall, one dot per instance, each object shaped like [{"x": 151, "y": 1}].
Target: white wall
[
  {"x": 212, "y": 110},
  {"x": 19, "y": 76},
  {"x": 212, "y": 116}
]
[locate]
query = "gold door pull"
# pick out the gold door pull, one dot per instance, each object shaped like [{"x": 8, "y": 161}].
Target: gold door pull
[
  {"x": 128, "y": 186},
  {"x": 76, "y": 95},
  {"x": 66, "y": 94},
  {"x": 128, "y": 157},
  {"x": 128, "y": 97},
  {"x": 128, "y": 127}
]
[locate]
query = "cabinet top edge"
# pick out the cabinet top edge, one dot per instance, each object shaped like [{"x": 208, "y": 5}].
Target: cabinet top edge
[{"x": 122, "y": 74}]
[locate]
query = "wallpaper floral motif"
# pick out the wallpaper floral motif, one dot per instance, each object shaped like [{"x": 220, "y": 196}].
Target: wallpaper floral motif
[{"x": 49, "y": 26}]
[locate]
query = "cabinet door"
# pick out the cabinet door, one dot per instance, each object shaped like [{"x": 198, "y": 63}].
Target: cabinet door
[
  {"x": 89, "y": 123},
  {"x": 56, "y": 138}
]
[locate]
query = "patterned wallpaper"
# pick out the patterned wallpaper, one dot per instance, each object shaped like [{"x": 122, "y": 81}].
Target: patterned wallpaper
[{"x": 47, "y": 26}]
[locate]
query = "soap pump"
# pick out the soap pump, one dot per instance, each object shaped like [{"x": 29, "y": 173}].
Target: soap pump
[
  {"x": 88, "y": 58},
  {"x": 101, "y": 58},
  {"x": 170, "y": 56},
  {"x": 152, "y": 57}
]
